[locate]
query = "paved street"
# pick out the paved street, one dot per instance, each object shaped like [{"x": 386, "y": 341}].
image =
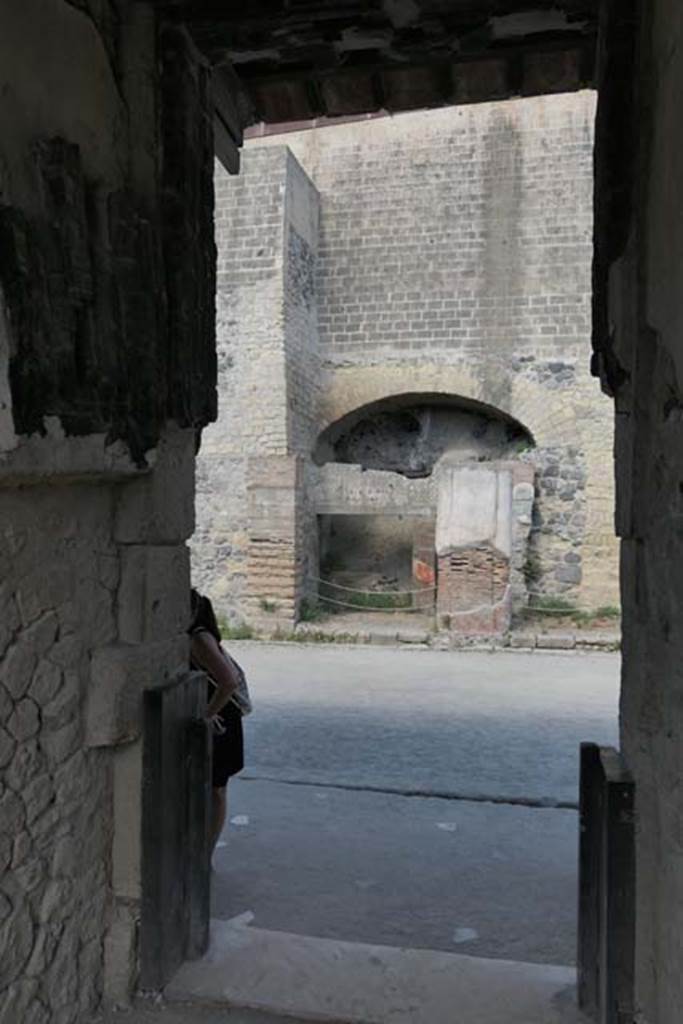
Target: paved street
[{"x": 414, "y": 797}]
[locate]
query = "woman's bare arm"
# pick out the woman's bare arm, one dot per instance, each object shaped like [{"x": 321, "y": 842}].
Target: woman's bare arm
[{"x": 208, "y": 655}]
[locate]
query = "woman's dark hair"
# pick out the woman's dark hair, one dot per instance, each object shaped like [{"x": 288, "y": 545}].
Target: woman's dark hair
[{"x": 203, "y": 615}]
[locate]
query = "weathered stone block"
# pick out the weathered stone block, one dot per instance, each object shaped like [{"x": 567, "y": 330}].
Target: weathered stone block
[
  {"x": 62, "y": 709},
  {"x": 61, "y": 979},
  {"x": 126, "y": 848},
  {"x": 118, "y": 676},
  {"x": 31, "y": 874},
  {"x": 158, "y": 508},
  {"x": 6, "y": 704},
  {"x": 154, "y": 593},
  {"x": 55, "y": 896},
  {"x": 16, "y": 1003},
  {"x": 17, "y": 668},
  {"x": 16, "y": 936},
  {"x": 6, "y": 850},
  {"x": 9, "y": 616},
  {"x": 27, "y": 762},
  {"x": 46, "y": 682},
  {"x": 120, "y": 957},
  {"x": 61, "y": 744},
  {"x": 37, "y": 795},
  {"x": 523, "y": 640},
  {"x": 7, "y": 747},
  {"x": 24, "y": 722},
  {"x": 556, "y": 641},
  {"x": 12, "y": 813},
  {"x": 568, "y": 573},
  {"x": 115, "y": 694}
]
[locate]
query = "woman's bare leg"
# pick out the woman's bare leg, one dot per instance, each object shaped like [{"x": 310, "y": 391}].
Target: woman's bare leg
[{"x": 219, "y": 810}]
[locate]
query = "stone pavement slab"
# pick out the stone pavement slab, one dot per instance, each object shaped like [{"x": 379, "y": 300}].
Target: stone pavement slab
[
  {"x": 485, "y": 879},
  {"x": 328, "y": 980}
]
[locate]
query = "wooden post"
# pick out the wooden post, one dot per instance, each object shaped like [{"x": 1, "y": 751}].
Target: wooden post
[
  {"x": 606, "y": 887},
  {"x": 175, "y": 864},
  {"x": 590, "y": 841},
  {"x": 619, "y": 865},
  {"x": 198, "y": 868}
]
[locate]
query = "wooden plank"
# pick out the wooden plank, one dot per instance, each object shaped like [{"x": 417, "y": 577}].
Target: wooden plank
[
  {"x": 199, "y": 748},
  {"x": 590, "y": 840},
  {"x": 619, "y": 860},
  {"x": 224, "y": 89},
  {"x": 227, "y": 119},
  {"x": 224, "y": 146},
  {"x": 606, "y": 946},
  {"x": 175, "y": 871}
]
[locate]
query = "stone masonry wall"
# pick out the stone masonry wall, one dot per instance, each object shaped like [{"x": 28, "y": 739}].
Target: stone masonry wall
[
  {"x": 453, "y": 259},
  {"x": 455, "y": 256},
  {"x": 267, "y": 233},
  {"x": 105, "y": 234},
  {"x": 56, "y": 802},
  {"x": 251, "y": 369},
  {"x": 640, "y": 348}
]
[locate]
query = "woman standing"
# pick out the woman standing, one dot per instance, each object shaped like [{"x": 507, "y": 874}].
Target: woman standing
[{"x": 222, "y": 712}]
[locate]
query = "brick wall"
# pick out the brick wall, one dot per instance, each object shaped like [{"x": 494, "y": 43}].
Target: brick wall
[{"x": 268, "y": 373}]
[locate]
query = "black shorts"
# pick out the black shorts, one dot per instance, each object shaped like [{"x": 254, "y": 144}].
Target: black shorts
[{"x": 228, "y": 748}]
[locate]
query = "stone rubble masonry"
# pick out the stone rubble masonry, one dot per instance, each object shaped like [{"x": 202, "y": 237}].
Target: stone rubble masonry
[
  {"x": 453, "y": 258},
  {"x": 71, "y": 681}
]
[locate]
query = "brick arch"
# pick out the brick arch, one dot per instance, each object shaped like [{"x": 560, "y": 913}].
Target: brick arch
[{"x": 348, "y": 390}]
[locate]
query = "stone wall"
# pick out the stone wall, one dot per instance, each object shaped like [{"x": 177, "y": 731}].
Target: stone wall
[
  {"x": 268, "y": 373},
  {"x": 639, "y": 249},
  {"x": 350, "y": 490},
  {"x": 453, "y": 262},
  {"x": 94, "y": 608},
  {"x": 107, "y": 370}
]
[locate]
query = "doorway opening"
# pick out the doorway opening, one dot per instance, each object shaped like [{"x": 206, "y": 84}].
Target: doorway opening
[{"x": 434, "y": 354}]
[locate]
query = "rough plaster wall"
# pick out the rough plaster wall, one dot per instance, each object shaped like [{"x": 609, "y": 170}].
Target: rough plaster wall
[
  {"x": 455, "y": 249},
  {"x": 645, "y": 292},
  {"x": 350, "y": 490}
]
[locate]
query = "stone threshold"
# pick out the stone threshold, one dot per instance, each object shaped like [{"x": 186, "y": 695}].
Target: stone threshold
[
  {"x": 159, "y": 1011},
  {"x": 335, "y": 982}
]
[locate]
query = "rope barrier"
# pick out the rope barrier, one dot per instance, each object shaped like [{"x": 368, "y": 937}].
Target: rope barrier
[
  {"x": 370, "y": 593},
  {"x": 407, "y": 609}
]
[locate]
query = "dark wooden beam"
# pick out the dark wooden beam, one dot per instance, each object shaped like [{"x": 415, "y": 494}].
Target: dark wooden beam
[{"x": 227, "y": 117}]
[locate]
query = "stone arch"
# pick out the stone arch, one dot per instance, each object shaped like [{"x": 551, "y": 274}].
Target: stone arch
[
  {"x": 523, "y": 401},
  {"x": 409, "y": 433}
]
